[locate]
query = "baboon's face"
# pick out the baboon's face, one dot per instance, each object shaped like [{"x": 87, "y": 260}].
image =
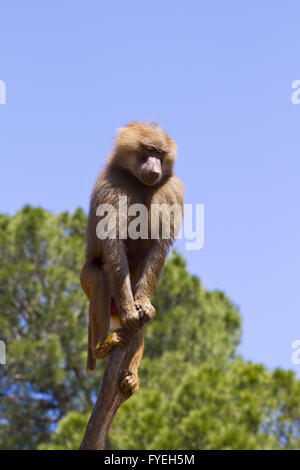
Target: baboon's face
[
  {"x": 146, "y": 151},
  {"x": 150, "y": 163}
]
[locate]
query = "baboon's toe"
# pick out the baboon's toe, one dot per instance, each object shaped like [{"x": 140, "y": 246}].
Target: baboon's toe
[
  {"x": 130, "y": 382},
  {"x": 116, "y": 338},
  {"x": 102, "y": 350},
  {"x": 121, "y": 339}
]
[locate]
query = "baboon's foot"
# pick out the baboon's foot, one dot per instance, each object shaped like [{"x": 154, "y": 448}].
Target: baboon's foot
[
  {"x": 116, "y": 338},
  {"x": 129, "y": 382}
]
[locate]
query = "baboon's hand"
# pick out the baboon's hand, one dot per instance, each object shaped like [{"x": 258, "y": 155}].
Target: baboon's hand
[
  {"x": 131, "y": 319},
  {"x": 145, "y": 309}
]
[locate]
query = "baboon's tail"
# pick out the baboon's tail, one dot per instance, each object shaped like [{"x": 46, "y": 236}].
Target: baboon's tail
[{"x": 91, "y": 361}]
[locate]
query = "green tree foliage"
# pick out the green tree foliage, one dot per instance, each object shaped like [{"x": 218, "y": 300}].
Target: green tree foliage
[
  {"x": 43, "y": 322},
  {"x": 196, "y": 392}
]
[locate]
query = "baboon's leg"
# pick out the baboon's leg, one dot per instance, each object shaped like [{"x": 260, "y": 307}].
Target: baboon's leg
[
  {"x": 96, "y": 287},
  {"x": 130, "y": 380}
]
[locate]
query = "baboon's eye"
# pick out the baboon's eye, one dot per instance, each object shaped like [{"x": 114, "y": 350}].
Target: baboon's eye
[
  {"x": 153, "y": 149},
  {"x": 150, "y": 148}
]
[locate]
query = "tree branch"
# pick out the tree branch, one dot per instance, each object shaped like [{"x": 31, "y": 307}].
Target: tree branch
[{"x": 110, "y": 397}]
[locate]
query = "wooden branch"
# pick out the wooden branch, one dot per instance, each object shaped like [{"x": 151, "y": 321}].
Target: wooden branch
[{"x": 110, "y": 397}]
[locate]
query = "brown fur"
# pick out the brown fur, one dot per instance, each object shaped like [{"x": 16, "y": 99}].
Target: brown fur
[{"x": 128, "y": 270}]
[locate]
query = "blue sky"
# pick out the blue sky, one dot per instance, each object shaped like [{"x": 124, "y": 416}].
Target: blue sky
[{"x": 217, "y": 76}]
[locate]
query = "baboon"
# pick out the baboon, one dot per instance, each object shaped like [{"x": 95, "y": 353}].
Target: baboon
[{"x": 121, "y": 272}]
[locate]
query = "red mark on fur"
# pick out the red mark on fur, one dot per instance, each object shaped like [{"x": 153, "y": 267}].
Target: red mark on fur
[{"x": 113, "y": 307}]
